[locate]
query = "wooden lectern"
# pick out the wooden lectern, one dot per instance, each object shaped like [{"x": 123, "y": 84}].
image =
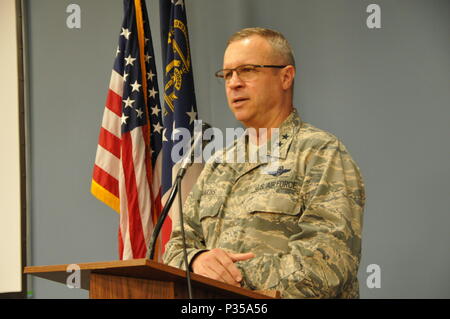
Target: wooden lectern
[{"x": 143, "y": 279}]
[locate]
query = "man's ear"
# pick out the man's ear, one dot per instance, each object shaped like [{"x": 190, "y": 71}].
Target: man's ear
[{"x": 288, "y": 74}]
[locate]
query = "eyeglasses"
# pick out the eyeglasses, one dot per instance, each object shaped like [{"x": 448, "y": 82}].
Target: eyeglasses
[{"x": 246, "y": 72}]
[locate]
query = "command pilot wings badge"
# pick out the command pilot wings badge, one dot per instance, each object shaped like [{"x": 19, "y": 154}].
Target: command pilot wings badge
[{"x": 278, "y": 172}]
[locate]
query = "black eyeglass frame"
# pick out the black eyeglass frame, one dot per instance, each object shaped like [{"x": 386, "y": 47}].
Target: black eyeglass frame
[{"x": 218, "y": 75}]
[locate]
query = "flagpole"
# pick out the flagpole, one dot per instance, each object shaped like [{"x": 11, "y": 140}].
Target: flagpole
[{"x": 186, "y": 264}]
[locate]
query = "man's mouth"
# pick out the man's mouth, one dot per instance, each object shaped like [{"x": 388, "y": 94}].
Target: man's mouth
[{"x": 239, "y": 101}]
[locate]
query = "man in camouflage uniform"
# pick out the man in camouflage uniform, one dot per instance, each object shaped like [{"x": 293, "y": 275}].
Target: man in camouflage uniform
[{"x": 291, "y": 224}]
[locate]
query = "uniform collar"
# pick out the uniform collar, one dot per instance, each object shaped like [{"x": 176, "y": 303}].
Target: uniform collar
[{"x": 287, "y": 131}]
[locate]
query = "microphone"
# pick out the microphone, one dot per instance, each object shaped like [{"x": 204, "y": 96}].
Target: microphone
[{"x": 196, "y": 141}]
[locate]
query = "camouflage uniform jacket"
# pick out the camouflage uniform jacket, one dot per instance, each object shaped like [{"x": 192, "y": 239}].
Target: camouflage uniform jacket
[{"x": 300, "y": 215}]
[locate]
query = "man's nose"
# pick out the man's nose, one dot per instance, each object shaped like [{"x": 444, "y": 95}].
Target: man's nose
[{"x": 235, "y": 81}]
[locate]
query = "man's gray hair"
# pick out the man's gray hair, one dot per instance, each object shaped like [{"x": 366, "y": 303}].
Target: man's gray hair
[{"x": 279, "y": 43}]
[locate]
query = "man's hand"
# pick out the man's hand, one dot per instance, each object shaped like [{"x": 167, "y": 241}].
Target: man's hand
[{"x": 219, "y": 265}]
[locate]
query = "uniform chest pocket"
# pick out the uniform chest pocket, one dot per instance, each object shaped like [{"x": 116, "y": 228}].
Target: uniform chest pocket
[{"x": 276, "y": 215}]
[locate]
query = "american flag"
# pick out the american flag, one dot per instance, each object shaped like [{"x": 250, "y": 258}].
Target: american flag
[{"x": 127, "y": 170}]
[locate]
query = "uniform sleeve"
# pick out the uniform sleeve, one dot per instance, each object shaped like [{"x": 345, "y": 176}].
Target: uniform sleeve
[
  {"x": 173, "y": 255},
  {"x": 323, "y": 258}
]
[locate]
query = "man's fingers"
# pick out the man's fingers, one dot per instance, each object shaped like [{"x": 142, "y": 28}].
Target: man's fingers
[
  {"x": 228, "y": 264},
  {"x": 241, "y": 257},
  {"x": 217, "y": 264}
]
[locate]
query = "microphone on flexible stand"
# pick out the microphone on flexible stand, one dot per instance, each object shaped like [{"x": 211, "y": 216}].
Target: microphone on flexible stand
[{"x": 196, "y": 141}]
